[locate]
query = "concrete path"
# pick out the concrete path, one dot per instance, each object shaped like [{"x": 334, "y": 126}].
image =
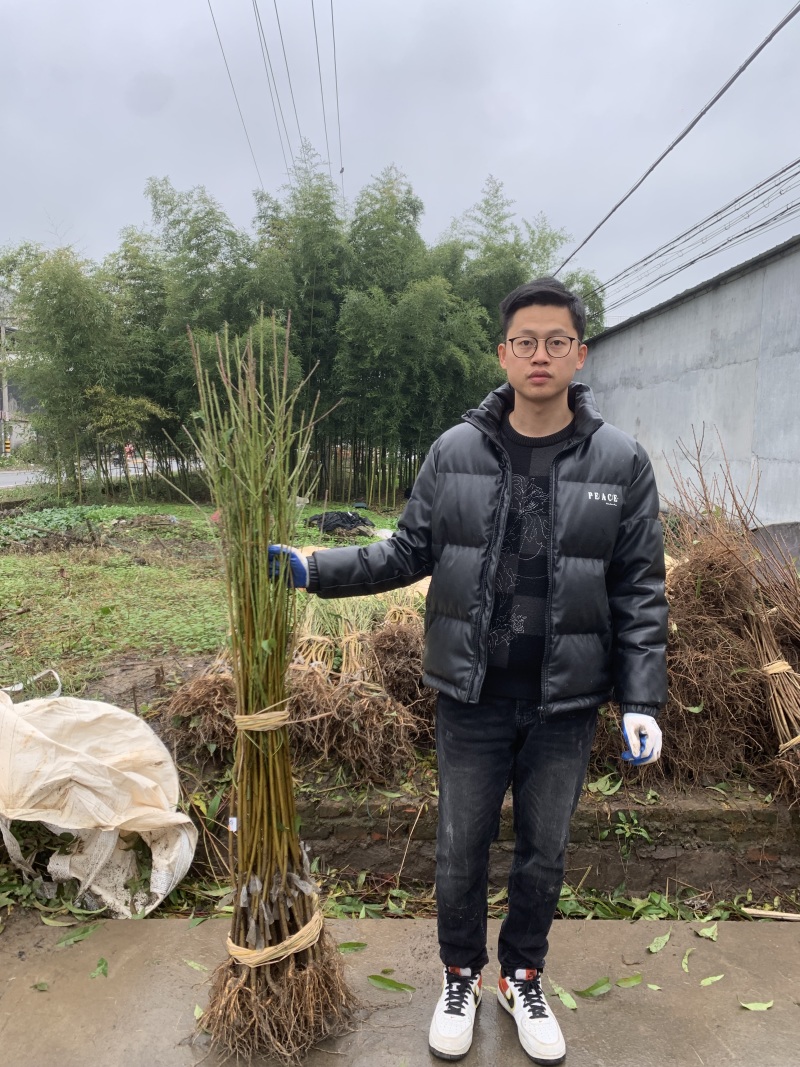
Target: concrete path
[{"x": 142, "y": 1014}]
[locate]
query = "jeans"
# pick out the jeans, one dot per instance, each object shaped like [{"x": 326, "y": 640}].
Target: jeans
[{"x": 482, "y": 749}]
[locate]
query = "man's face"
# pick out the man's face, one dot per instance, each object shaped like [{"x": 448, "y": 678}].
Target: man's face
[{"x": 541, "y": 378}]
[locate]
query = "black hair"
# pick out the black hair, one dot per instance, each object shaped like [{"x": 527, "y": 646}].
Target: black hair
[{"x": 548, "y": 292}]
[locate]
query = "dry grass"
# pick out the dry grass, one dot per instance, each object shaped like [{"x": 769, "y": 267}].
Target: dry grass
[
  {"x": 196, "y": 722},
  {"x": 354, "y": 723}
]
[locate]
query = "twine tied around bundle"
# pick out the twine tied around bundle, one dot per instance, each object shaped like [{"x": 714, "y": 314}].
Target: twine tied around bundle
[
  {"x": 305, "y": 937},
  {"x": 777, "y": 666}
]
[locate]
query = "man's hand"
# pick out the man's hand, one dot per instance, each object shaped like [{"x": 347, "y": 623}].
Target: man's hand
[
  {"x": 643, "y": 737},
  {"x": 291, "y": 562}
]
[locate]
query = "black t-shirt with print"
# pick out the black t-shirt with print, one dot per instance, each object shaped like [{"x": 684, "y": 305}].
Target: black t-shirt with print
[{"x": 518, "y": 625}]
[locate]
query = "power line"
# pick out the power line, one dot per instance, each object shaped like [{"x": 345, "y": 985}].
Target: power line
[
  {"x": 777, "y": 219},
  {"x": 338, "y": 115},
  {"x": 235, "y": 97},
  {"x": 288, "y": 75},
  {"x": 262, "y": 40},
  {"x": 720, "y": 93},
  {"x": 743, "y": 206},
  {"x": 321, "y": 92}
]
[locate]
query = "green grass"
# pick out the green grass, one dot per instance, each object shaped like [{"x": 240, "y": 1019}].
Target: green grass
[
  {"x": 74, "y": 609},
  {"x": 84, "y": 608}
]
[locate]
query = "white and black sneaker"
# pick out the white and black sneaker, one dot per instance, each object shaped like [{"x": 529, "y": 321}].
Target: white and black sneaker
[
  {"x": 539, "y": 1033},
  {"x": 450, "y": 1035}
]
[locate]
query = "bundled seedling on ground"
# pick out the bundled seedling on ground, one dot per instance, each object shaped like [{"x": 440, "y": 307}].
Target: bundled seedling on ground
[{"x": 282, "y": 987}]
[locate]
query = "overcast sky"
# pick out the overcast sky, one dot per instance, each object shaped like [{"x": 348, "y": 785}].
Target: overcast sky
[{"x": 566, "y": 102}]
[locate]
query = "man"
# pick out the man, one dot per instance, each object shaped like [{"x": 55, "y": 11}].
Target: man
[{"x": 538, "y": 523}]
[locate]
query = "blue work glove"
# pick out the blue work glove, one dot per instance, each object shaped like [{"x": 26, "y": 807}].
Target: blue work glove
[
  {"x": 643, "y": 737},
  {"x": 291, "y": 562}
]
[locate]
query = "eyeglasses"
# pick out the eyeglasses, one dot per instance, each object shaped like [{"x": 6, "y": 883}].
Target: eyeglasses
[{"x": 557, "y": 347}]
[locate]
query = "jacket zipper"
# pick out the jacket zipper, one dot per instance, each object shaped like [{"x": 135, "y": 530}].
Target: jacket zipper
[
  {"x": 548, "y": 610},
  {"x": 485, "y": 615}
]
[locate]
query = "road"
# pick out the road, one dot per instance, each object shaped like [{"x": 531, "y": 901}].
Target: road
[{"x": 8, "y": 479}]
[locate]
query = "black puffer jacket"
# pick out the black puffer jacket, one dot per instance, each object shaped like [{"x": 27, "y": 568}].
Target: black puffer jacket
[{"x": 607, "y": 617}]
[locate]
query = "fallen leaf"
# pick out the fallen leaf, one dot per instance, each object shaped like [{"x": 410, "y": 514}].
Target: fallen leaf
[
  {"x": 195, "y": 966},
  {"x": 351, "y": 946},
  {"x": 101, "y": 970},
  {"x": 198, "y": 1012},
  {"x": 40, "y": 987},
  {"x": 382, "y": 982},
  {"x": 387, "y": 970},
  {"x": 711, "y": 979},
  {"x": 596, "y": 989},
  {"x": 196, "y": 920},
  {"x": 758, "y": 1005},
  {"x": 80, "y": 934},
  {"x": 650, "y": 986},
  {"x": 685, "y": 960},
  {"x": 658, "y": 943},
  {"x": 566, "y": 998},
  {"x": 708, "y": 931},
  {"x": 630, "y": 981},
  {"x": 55, "y": 922}
]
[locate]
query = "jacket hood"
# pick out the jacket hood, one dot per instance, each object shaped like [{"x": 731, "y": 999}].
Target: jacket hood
[{"x": 489, "y": 414}]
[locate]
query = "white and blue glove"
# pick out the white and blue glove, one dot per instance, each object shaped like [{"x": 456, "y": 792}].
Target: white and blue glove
[
  {"x": 643, "y": 737},
  {"x": 290, "y": 562}
]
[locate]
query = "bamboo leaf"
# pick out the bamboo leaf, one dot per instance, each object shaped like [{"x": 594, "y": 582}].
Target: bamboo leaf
[
  {"x": 198, "y": 1012},
  {"x": 566, "y": 998},
  {"x": 708, "y": 931},
  {"x": 658, "y": 942},
  {"x": 351, "y": 946},
  {"x": 80, "y": 934},
  {"x": 382, "y": 982},
  {"x": 55, "y": 922},
  {"x": 40, "y": 987},
  {"x": 654, "y": 987},
  {"x": 758, "y": 1005},
  {"x": 596, "y": 989},
  {"x": 685, "y": 960},
  {"x": 629, "y": 982},
  {"x": 101, "y": 970},
  {"x": 711, "y": 979},
  {"x": 195, "y": 966}
]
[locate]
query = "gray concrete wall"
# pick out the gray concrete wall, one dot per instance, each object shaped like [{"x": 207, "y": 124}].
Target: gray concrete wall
[{"x": 724, "y": 360}]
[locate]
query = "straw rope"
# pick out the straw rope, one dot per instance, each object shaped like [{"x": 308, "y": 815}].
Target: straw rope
[
  {"x": 262, "y": 721},
  {"x": 305, "y": 937},
  {"x": 777, "y": 666}
]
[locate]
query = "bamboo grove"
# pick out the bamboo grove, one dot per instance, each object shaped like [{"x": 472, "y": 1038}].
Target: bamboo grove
[{"x": 402, "y": 332}]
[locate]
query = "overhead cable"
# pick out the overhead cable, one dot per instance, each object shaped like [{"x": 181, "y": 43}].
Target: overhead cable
[
  {"x": 703, "y": 111},
  {"x": 755, "y": 198},
  {"x": 338, "y": 114},
  {"x": 235, "y": 97},
  {"x": 288, "y": 75},
  {"x": 321, "y": 92},
  {"x": 262, "y": 39},
  {"x": 779, "y": 218}
]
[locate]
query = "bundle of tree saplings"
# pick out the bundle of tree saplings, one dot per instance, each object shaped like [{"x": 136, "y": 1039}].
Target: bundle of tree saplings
[
  {"x": 734, "y": 642},
  {"x": 282, "y": 987},
  {"x": 356, "y": 685}
]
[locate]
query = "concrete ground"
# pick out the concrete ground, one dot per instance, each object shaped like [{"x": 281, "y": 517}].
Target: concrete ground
[{"x": 142, "y": 1013}]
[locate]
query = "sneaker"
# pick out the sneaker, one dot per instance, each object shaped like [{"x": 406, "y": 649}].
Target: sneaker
[
  {"x": 539, "y": 1033},
  {"x": 450, "y": 1034}
]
